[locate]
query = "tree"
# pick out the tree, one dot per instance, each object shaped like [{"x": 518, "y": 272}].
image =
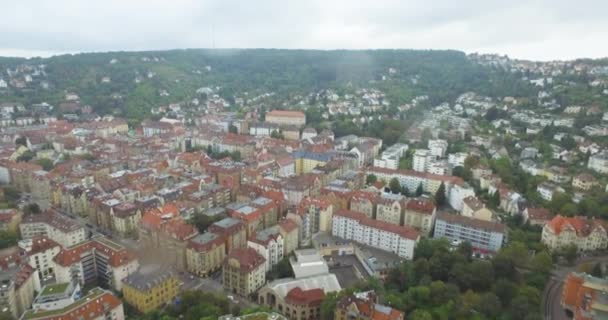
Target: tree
[
  {"x": 26, "y": 156},
  {"x": 420, "y": 314},
  {"x": 233, "y": 129},
  {"x": 505, "y": 290},
  {"x": 31, "y": 208},
  {"x": 394, "y": 185},
  {"x": 405, "y": 191},
  {"x": 371, "y": 179},
  {"x": 597, "y": 270},
  {"x": 489, "y": 305},
  {"x": 419, "y": 190},
  {"x": 440, "y": 199},
  {"x": 45, "y": 163},
  {"x": 542, "y": 262},
  {"x": 8, "y": 239},
  {"x": 570, "y": 252},
  {"x": 21, "y": 141},
  {"x": 276, "y": 134},
  {"x": 328, "y": 306},
  {"x": 494, "y": 200}
]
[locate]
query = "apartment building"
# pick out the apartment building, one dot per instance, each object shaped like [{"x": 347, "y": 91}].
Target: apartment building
[
  {"x": 364, "y": 306},
  {"x": 286, "y": 117},
  {"x": 585, "y": 296},
  {"x": 205, "y": 253},
  {"x": 269, "y": 244},
  {"x": 55, "y": 226},
  {"x": 40, "y": 252},
  {"x": 356, "y": 226},
  {"x": 18, "y": 280},
  {"x": 98, "y": 260},
  {"x": 364, "y": 202},
  {"x": 150, "y": 287},
  {"x": 420, "y": 214},
  {"x": 390, "y": 208},
  {"x": 483, "y": 235},
  {"x": 586, "y": 234},
  {"x": 599, "y": 162},
  {"x": 244, "y": 271},
  {"x": 233, "y": 232},
  {"x": 98, "y": 304}
]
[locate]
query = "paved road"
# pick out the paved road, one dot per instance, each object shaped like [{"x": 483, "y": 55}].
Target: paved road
[{"x": 552, "y": 308}]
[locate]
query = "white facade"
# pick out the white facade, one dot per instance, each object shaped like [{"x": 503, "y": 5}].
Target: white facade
[
  {"x": 387, "y": 240},
  {"x": 420, "y": 160},
  {"x": 272, "y": 251},
  {"x": 599, "y": 162},
  {"x": 65, "y": 237},
  {"x": 438, "y": 147},
  {"x": 457, "y": 159},
  {"x": 457, "y": 194}
]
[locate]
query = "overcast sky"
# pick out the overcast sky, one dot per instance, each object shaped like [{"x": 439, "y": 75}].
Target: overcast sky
[{"x": 528, "y": 29}]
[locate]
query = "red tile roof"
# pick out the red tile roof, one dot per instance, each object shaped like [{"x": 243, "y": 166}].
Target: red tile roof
[
  {"x": 310, "y": 297},
  {"x": 248, "y": 259},
  {"x": 581, "y": 225},
  {"x": 421, "y": 205},
  {"x": 286, "y": 113}
]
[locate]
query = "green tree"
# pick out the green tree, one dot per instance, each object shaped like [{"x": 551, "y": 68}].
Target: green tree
[
  {"x": 371, "y": 179},
  {"x": 420, "y": 314},
  {"x": 328, "y": 306},
  {"x": 31, "y": 208},
  {"x": 233, "y": 129},
  {"x": 505, "y": 290},
  {"x": 542, "y": 262},
  {"x": 489, "y": 305},
  {"x": 21, "y": 141},
  {"x": 26, "y": 156},
  {"x": 394, "y": 185},
  {"x": 8, "y": 239},
  {"x": 440, "y": 198},
  {"x": 276, "y": 134},
  {"x": 45, "y": 163},
  {"x": 419, "y": 190}
]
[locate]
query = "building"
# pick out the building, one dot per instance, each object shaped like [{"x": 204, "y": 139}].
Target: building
[
  {"x": 10, "y": 220},
  {"x": 364, "y": 202},
  {"x": 585, "y": 296},
  {"x": 437, "y": 148},
  {"x": 315, "y": 216},
  {"x": 364, "y": 306},
  {"x": 356, "y": 226},
  {"x": 391, "y": 156},
  {"x": 286, "y": 117},
  {"x": 306, "y": 263},
  {"x": 298, "y": 299},
  {"x": 269, "y": 244},
  {"x": 536, "y": 216},
  {"x": 599, "y": 162},
  {"x": 584, "y": 181},
  {"x": 547, "y": 190},
  {"x": 98, "y": 304},
  {"x": 40, "y": 252},
  {"x": 483, "y": 235},
  {"x": 390, "y": 208},
  {"x": 474, "y": 208},
  {"x": 57, "y": 296},
  {"x": 205, "y": 253},
  {"x": 18, "y": 282},
  {"x": 150, "y": 288},
  {"x": 420, "y": 160},
  {"x": 244, "y": 271},
  {"x": 233, "y": 232},
  {"x": 55, "y": 226},
  {"x": 290, "y": 231},
  {"x": 586, "y": 234},
  {"x": 420, "y": 215},
  {"x": 98, "y": 260}
]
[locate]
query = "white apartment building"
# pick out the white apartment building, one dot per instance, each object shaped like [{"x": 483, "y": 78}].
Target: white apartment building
[
  {"x": 269, "y": 244},
  {"x": 599, "y": 162},
  {"x": 55, "y": 226},
  {"x": 391, "y": 156},
  {"x": 40, "y": 251},
  {"x": 457, "y": 159},
  {"x": 438, "y": 147},
  {"x": 420, "y": 160},
  {"x": 356, "y": 226}
]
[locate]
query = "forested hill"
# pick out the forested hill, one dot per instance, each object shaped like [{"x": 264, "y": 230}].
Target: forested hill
[{"x": 131, "y": 82}]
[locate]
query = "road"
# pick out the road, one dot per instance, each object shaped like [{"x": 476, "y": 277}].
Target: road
[{"x": 552, "y": 308}]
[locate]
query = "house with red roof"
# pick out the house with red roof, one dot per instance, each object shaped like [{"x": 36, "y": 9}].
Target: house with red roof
[{"x": 587, "y": 234}]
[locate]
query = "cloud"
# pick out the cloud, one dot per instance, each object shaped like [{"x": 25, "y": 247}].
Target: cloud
[{"x": 532, "y": 29}]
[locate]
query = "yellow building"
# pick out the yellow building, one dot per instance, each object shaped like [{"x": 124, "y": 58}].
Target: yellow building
[
  {"x": 205, "y": 254},
  {"x": 150, "y": 287},
  {"x": 10, "y": 220},
  {"x": 305, "y": 161},
  {"x": 586, "y": 234},
  {"x": 244, "y": 271}
]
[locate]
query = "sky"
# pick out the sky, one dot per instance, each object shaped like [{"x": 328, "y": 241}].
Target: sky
[{"x": 523, "y": 29}]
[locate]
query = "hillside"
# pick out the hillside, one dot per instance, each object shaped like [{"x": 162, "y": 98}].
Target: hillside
[{"x": 134, "y": 80}]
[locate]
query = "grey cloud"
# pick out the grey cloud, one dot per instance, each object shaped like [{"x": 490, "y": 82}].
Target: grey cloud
[{"x": 537, "y": 29}]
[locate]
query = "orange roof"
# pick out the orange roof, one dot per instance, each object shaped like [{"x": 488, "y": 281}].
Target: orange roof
[
  {"x": 421, "y": 205},
  {"x": 248, "y": 258},
  {"x": 288, "y": 225},
  {"x": 92, "y": 309},
  {"x": 179, "y": 229},
  {"x": 581, "y": 225},
  {"x": 572, "y": 285},
  {"x": 151, "y": 221},
  {"x": 116, "y": 257}
]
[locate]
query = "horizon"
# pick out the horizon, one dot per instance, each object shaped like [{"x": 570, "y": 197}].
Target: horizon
[{"x": 49, "y": 54}]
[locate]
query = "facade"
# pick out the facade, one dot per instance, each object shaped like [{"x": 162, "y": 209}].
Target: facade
[
  {"x": 95, "y": 261},
  {"x": 420, "y": 215},
  {"x": 585, "y": 234},
  {"x": 10, "y": 220},
  {"x": 364, "y": 202},
  {"x": 205, "y": 254},
  {"x": 420, "y": 160},
  {"x": 150, "y": 287},
  {"x": 356, "y": 226},
  {"x": 536, "y": 216},
  {"x": 286, "y": 117},
  {"x": 55, "y": 226},
  {"x": 584, "y": 181},
  {"x": 599, "y": 162},
  {"x": 19, "y": 282},
  {"x": 98, "y": 304},
  {"x": 438, "y": 148},
  {"x": 483, "y": 235},
  {"x": 585, "y": 296},
  {"x": 390, "y": 208},
  {"x": 289, "y": 231},
  {"x": 233, "y": 232},
  {"x": 315, "y": 216},
  {"x": 244, "y": 271},
  {"x": 40, "y": 252},
  {"x": 269, "y": 244}
]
